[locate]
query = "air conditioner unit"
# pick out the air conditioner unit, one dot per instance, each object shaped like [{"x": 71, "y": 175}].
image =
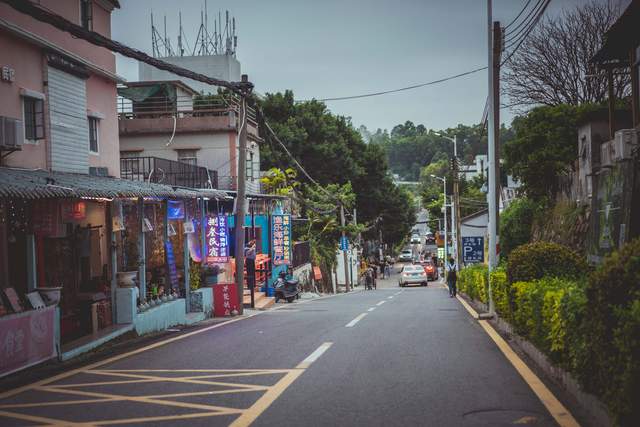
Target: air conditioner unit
[
  {"x": 11, "y": 133},
  {"x": 606, "y": 157},
  {"x": 623, "y": 144}
]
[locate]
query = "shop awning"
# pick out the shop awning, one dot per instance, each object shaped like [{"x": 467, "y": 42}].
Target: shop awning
[{"x": 37, "y": 184}]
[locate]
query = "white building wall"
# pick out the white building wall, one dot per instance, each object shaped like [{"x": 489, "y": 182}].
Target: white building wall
[
  {"x": 223, "y": 67},
  {"x": 213, "y": 153}
]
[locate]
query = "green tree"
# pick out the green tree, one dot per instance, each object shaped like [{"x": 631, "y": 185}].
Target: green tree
[
  {"x": 333, "y": 152},
  {"x": 544, "y": 148},
  {"x": 515, "y": 224}
]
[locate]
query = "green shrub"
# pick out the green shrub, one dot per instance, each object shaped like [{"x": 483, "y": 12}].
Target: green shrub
[
  {"x": 473, "y": 281},
  {"x": 610, "y": 366},
  {"x": 515, "y": 224},
  {"x": 544, "y": 259},
  {"x": 501, "y": 294}
]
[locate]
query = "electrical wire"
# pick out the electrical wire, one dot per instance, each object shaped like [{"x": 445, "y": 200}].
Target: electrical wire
[
  {"x": 416, "y": 86},
  {"x": 526, "y": 21},
  {"x": 534, "y": 23},
  {"x": 518, "y": 40},
  {"x": 518, "y": 15}
]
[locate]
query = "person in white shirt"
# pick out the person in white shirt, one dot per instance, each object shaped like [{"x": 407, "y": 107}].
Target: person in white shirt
[{"x": 451, "y": 268}]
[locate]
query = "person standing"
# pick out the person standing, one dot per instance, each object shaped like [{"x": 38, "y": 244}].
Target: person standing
[
  {"x": 250, "y": 263},
  {"x": 452, "y": 276}
]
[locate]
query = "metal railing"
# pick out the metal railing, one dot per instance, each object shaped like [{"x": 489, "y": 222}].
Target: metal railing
[
  {"x": 301, "y": 254},
  {"x": 182, "y": 106},
  {"x": 169, "y": 172}
]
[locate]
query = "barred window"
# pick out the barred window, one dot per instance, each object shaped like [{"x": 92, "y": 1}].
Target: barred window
[
  {"x": 33, "y": 118},
  {"x": 93, "y": 134}
]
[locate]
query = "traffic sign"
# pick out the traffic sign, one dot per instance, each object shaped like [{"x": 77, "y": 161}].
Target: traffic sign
[{"x": 472, "y": 250}]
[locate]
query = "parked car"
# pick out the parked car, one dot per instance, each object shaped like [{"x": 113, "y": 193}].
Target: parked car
[
  {"x": 406, "y": 256},
  {"x": 430, "y": 269},
  {"x": 413, "y": 275}
]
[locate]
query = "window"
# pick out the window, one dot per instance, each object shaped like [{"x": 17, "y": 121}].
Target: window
[
  {"x": 93, "y": 134},
  {"x": 33, "y": 118},
  {"x": 188, "y": 156},
  {"x": 250, "y": 165},
  {"x": 86, "y": 14}
]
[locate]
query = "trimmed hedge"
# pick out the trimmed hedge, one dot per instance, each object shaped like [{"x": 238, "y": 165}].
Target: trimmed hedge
[
  {"x": 591, "y": 327},
  {"x": 611, "y": 363},
  {"x": 473, "y": 281},
  {"x": 541, "y": 259}
]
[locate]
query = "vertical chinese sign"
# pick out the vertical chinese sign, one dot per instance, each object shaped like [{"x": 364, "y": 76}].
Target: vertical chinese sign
[
  {"x": 225, "y": 300},
  {"x": 281, "y": 239},
  {"x": 217, "y": 239}
]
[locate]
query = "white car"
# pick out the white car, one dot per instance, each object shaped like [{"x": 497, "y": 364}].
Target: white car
[
  {"x": 415, "y": 239},
  {"x": 406, "y": 256},
  {"x": 413, "y": 275}
]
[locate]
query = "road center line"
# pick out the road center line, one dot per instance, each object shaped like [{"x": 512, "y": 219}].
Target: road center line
[
  {"x": 391, "y": 297},
  {"x": 314, "y": 356},
  {"x": 354, "y": 321},
  {"x": 381, "y": 302},
  {"x": 371, "y": 309}
]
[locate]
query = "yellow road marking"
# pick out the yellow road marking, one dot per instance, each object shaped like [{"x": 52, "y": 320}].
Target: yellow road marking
[
  {"x": 470, "y": 309},
  {"x": 188, "y": 380},
  {"x": 72, "y": 372},
  {"x": 140, "y": 399},
  {"x": 162, "y": 418},
  {"x": 251, "y": 414},
  {"x": 49, "y": 421},
  {"x": 562, "y": 416},
  {"x": 557, "y": 410}
]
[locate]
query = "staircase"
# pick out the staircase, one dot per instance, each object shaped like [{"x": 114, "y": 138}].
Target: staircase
[{"x": 262, "y": 301}]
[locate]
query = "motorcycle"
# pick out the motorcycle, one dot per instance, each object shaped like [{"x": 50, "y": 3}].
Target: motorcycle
[{"x": 287, "y": 289}]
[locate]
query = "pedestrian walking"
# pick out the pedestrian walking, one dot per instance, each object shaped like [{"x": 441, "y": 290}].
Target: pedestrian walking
[
  {"x": 452, "y": 276},
  {"x": 387, "y": 269},
  {"x": 368, "y": 279},
  {"x": 375, "y": 276}
]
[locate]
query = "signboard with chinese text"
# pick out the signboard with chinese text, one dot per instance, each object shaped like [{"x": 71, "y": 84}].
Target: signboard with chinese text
[
  {"x": 281, "y": 239},
  {"x": 217, "y": 239},
  {"x": 175, "y": 209},
  {"x": 225, "y": 299},
  {"x": 26, "y": 339},
  {"x": 472, "y": 250}
]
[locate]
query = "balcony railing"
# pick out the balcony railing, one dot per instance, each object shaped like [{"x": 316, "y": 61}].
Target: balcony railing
[
  {"x": 169, "y": 172},
  {"x": 181, "y": 107}
]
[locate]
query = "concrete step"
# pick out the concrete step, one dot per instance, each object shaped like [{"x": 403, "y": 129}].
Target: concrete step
[{"x": 261, "y": 300}]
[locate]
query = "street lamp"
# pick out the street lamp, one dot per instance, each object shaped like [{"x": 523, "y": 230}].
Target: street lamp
[
  {"x": 444, "y": 208},
  {"x": 455, "y": 143}
]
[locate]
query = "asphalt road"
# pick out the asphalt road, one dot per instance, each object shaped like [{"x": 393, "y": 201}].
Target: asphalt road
[{"x": 388, "y": 357}]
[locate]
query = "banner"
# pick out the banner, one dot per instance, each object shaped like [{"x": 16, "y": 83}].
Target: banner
[
  {"x": 225, "y": 299},
  {"x": 217, "y": 239},
  {"x": 281, "y": 239},
  {"x": 26, "y": 339}
]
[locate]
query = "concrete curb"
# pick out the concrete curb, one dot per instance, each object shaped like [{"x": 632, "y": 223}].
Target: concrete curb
[{"x": 589, "y": 403}]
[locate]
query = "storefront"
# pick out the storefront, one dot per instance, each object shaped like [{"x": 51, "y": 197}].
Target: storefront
[{"x": 57, "y": 256}]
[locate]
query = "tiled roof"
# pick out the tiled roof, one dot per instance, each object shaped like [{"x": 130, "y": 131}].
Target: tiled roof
[{"x": 36, "y": 184}]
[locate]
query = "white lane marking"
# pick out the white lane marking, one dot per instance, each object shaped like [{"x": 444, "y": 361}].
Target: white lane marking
[
  {"x": 398, "y": 293},
  {"x": 314, "y": 356},
  {"x": 381, "y": 302},
  {"x": 391, "y": 297},
  {"x": 354, "y": 321},
  {"x": 371, "y": 309}
]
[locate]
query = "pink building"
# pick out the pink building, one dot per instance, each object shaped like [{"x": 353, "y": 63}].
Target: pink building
[{"x": 58, "y": 92}]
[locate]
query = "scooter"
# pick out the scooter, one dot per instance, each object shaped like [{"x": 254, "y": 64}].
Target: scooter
[{"x": 287, "y": 289}]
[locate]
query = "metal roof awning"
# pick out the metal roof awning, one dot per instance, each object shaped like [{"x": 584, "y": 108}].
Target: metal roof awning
[
  {"x": 37, "y": 184},
  {"x": 251, "y": 195},
  {"x": 620, "y": 38}
]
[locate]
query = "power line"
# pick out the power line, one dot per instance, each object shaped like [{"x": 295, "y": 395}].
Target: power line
[
  {"x": 366, "y": 95},
  {"x": 523, "y": 38},
  {"x": 524, "y": 22},
  {"x": 518, "y": 15}
]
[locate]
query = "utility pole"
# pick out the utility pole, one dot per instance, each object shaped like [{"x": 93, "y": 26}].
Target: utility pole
[
  {"x": 344, "y": 250},
  {"x": 444, "y": 207},
  {"x": 455, "y": 210},
  {"x": 241, "y": 198},
  {"x": 492, "y": 196}
]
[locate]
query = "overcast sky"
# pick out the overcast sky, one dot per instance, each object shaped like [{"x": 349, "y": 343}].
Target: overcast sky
[{"x": 329, "y": 48}]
